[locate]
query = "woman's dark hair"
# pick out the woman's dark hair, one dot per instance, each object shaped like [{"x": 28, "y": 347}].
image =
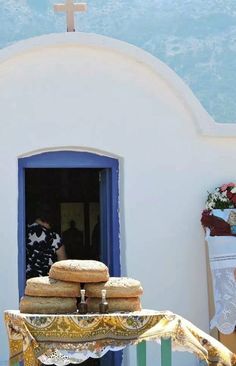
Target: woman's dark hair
[{"x": 43, "y": 211}]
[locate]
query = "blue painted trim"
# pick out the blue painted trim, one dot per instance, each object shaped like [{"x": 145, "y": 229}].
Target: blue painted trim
[
  {"x": 110, "y": 234},
  {"x": 69, "y": 159},
  {"x": 116, "y": 226},
  {"x": 109, "y": 194},
  {"x": 21, "y": 229},
  {"x": 118, "y": 358},
  {"x": 112, "y": 358}
]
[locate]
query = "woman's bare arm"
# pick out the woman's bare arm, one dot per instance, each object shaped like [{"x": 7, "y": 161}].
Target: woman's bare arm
[{"x": 61, "y": 253}]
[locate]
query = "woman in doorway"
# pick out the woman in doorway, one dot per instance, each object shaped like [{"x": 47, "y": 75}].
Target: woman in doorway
[{"x": 43, "y": 245}]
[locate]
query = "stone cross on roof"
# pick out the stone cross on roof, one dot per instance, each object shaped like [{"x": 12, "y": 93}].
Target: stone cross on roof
[{"x": 70, "y": 8}]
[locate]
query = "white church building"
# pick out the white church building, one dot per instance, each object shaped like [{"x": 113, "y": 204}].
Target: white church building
[{"x": 77, "y": 100}]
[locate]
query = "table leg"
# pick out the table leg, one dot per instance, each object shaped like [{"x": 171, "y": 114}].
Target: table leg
[
  {"x": 166, "y": 352},
  {"x": 141, "y": 353}
]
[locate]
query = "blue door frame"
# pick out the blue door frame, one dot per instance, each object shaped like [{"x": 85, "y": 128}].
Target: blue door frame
[{"x": 72, "y": 159}]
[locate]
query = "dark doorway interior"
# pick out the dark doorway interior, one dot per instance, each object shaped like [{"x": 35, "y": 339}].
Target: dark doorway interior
[{"x": 73, "y": 195}]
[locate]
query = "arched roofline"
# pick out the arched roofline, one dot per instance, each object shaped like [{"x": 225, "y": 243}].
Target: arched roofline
[
  {"x": 204, "y": 123},
  {"x": 75, "y": 149}
]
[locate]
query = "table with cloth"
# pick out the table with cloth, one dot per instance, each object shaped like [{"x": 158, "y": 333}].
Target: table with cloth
[{"x": 72, "y": 338}]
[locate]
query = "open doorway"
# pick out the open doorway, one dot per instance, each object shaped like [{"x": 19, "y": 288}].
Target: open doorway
[
  {"x": 74, "y": 196},
  {"x": 83, "y": 187}
]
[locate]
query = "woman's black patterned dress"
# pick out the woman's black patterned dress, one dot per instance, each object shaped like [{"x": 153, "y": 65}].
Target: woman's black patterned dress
[{"x": 41, "y": 247}]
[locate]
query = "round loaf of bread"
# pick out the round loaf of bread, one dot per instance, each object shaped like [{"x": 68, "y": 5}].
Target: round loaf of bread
[
  {"x": 74, "y": 270},
  {"x": 45, "y": 286},
  {"x": 115, "y": 287},
  {"x": 47, "y": 305},
  {"x": 115, "y": 304}
]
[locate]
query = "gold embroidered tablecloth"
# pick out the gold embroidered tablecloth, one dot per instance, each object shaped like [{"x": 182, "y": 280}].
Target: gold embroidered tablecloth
[{"x": 72, "y": 338}]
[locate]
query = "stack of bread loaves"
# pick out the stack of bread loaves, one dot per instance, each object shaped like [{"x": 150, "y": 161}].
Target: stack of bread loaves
[
  {"x": 122, "y": 294},
  {"x": 44, "y": 295},
  {"x": 58, "y": 293}
]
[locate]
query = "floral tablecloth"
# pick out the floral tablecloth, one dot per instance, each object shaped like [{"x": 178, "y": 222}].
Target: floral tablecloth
[{"x": 72, "y": 338}]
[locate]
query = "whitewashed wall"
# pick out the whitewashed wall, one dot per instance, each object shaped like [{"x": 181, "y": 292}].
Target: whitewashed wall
[{"x": 96, "y": 98}]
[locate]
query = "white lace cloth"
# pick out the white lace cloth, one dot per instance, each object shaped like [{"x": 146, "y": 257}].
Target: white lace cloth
[
  {"x": 63, "y": 358},
  {"x": 222, "y": 255}
]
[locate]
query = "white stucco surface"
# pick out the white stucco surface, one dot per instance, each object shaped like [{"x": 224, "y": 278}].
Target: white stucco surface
[{"x": 77, "y": 95}]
